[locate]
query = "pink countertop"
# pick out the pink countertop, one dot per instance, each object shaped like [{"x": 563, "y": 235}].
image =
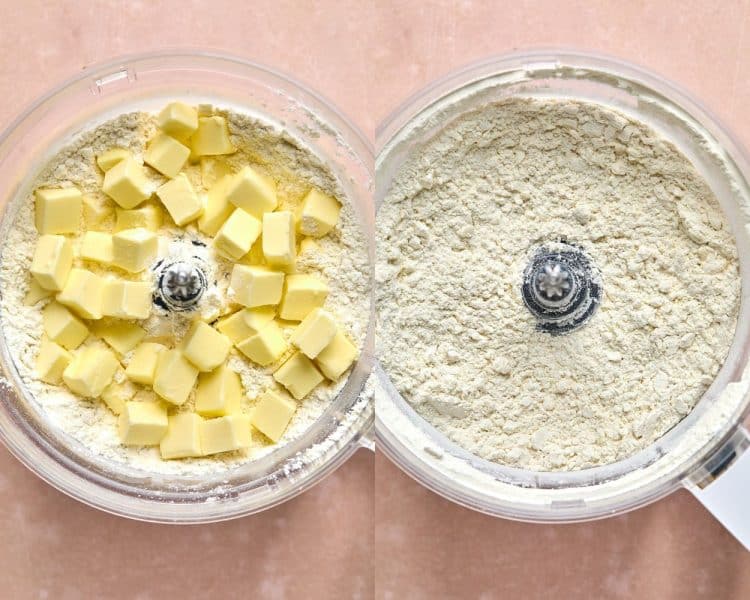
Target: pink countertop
[{"x": 367, "y": 57}]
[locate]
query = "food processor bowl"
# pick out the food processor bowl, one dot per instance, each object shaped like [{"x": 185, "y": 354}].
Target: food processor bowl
[
  {"x": 709, "y": 440},
  {"x": 146, "y": 82}
]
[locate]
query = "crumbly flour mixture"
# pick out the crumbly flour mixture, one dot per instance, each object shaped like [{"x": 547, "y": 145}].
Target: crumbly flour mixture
[
  {"x": 340, "y": 259},
  {"x": 455, "y": 233}
]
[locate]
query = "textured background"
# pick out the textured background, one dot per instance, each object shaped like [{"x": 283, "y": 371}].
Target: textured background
[
  {"x": 670, "y": 550},
  {"x": 367, "y": 57}
]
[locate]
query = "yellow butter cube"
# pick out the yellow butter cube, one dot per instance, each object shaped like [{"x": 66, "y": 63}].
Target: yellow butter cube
[
  {"x": 58, "y": 210},
  {"x": 279, "y": 245},
  {"x": 217, "y": 209},
  {"x": 183, "y": 437},
  {"x": 90, "y": 371},
  {"x": 142, "y": 423},
  {"x": 298, "y": 375},
  {"x": 98, "y": 212},
  {"x": 319, "y": 214},
  {"x": 53, "y": 259},
  {"x": 180, "y": 200},
  {"x": 84, "y": 293},
  {"x": 315, "y": 332},
  {"x": 244, "y": 323},
  {"x": 272, "y": 414},
  {"x": 252, "y": 192},
  {"x": 178, "y": 119},
  {"x": 236, "y": 236},
  {"x": 302, "y": 293},
  {"x": 109, "y": 158},
  {"x": 211, "y": 137},
  {"x": 166, "y": 155},
  {"x": 266, "y": 346},
  {"x": 148, "y": 216},
  {"x": 225, "y": 434},
  {"x": 219, "y": 393},
  {"x": 255, "y": 286},
  {"x": 126, "y": 299},
  {"x": 336, "y": 357},
  {"x": 126, "y": 183},
  {"x": 174, "y": 377},
  {"x": 51, "y": 362},
  {"x": 308, "y": 246},
  {"x": 97, "y": 247},
  {"x": 134, "y": 249},
  {"x": 205, "y": 347},
  {"x": 142, "y": 366},
  {"x": 35, "y": 293},
  {"x": 212, "y": 170},
  {"x": 63, "y": 327},
  {"x": 121, "y": 335},
  {"x": 115, "y": 395}
]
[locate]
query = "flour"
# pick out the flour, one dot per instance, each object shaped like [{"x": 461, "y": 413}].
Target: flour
[
  {"x": 455, "y": 233},
  {"x": 340, "y": 259}
]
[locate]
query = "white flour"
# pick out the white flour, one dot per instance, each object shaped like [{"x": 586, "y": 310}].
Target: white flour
[
  {"x": 454, "y": 235},
  {"x": 340, "y": 259}
]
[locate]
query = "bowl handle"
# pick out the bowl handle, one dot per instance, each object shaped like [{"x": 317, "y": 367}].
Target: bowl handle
[{"x": 722, "y": 485}]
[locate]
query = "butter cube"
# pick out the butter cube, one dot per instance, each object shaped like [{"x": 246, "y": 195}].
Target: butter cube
[
  {"x": 218, "y": 393},
  {"x": 142, "y": 423},
  {"x": 336, "y": 357},
  {"x": 63, "y": 327},
  {"x": 272, "y": 414},
  {"x": 319, "y": 214},
  {"x": 252, "y": 192},
  {"x": 212, "y": 170},
  {"x": 180, "y": 200},
  {"x": 109, "y": 158},
  {"x": 121, "y": 335},
  {"x": 166, "y": 155},
  {"x": 205, "y": 347},
  {"x": 148, "y": 216},
  {"x": 298, "y": 375},
  {"x": 236, "y": 236},
  {"x": 142, "y": 366},
  {"x": 134, "y": 249},
  {"x": 183, "y": 437},
  {"x": 217, "y": 208},
  {"x": 244, "y": 323},
  {"x": 126, "y": 183},
  {"x": 308, "y": 246},
  {"x": 51, "y": 362},
  {"x": 316, "y": 331},
  {"x": 178, "y": 119},
  {"x": 225, "y": 434},
  {"x": 115, "y": 395},
  {"x": 266, "y": 346},
  {"x": 97, "y": 247},
  {"x": 278, "y": 238},
  {"x": 84, "y": 293},
  {"x": 174, "y": 377},
  {"x": 58, "y": 210},
  {"x": 126, "y": 299},
  {"x": 90, "y": 371},
  {"x": 255, "y": 286},
  {"x": 35, "y": 293},
  {"x": 53, "y": 259},
  {"x": 211, "y": 137},
  {"x": 98, "y": 212},
  {"x": 302, "y": 294}
]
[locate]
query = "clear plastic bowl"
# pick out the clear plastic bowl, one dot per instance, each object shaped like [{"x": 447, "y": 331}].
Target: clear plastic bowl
[
  {"x": 702, "y": 444},
  {"x": 146, "y": 82}
]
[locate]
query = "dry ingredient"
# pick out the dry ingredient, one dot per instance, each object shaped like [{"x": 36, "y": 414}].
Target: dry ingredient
[
  {"x": 455, "y": 232},
  {"x": 241, "y": 156}
]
